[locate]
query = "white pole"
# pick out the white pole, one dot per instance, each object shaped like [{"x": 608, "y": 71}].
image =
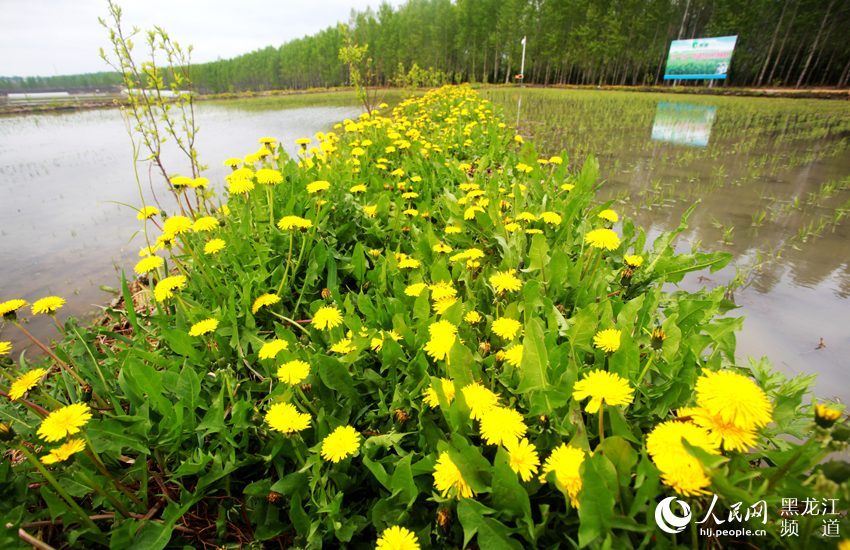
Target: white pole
[{"x": 522, "y": 65}]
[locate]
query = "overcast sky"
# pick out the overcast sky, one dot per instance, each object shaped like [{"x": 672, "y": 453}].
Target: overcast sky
[{"x": 50, "y": 37}]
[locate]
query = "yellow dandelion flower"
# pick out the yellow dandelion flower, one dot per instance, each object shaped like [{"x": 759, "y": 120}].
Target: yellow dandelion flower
[
  {"x": 293, "y": 372},
  {"x": 64, "y": 451},
  {"x": 214, "y": 246},
  {"x": 448, "y": 479},
  {"x": 552, "y": 218},
  {"x": 479, "y": 399},
  {"x": 25, "y": 383},
  {"x": 180, "y": 181},
  {"x": 409, "y": 263},
  {"x": 263, "y": 301},
  {"x": 148, "y": 251},
  {"x": 205, "y": 223},
  {"x": 825, "y": 415},
  {"x": 359, "y": 188},
  {"x": 232, "y": 162},
  {"x": 472, "y": 317},
  {"x": 166, "y": 287},
  {"x": 432, "y": 400},
  {"x": 294, "y": 222},
  {"x": 343, "y": 347},
  {"x": 442, "y": 337},
  {"x": 453, "y": 230},
  {"x": 513, "y": 355},
  {"x": 608, "y": 215},
  {"x": 441, "y": 248},
  {"x": 679, "y": 468},
  {"x": 556, "y": 160},
  {"x": 269, "y": 350},
  {"x": 633, "y": 260},
  {"x": 411, "y": 212},
  {"x": 566, "y": 462},
  {"x": 722, "y": 434},
  {"x": 147, "y": 212},
  {"x": 440, "y": 306},
  {"x": 505, "y": 281},
  {"x": 603, "y": 387},
  {"x": 607, "y": 340},
  {"x": 236, "y": 186},
  {"x": 526, "y": 217},
  {"x": 735, "y": 398},
  {"x": 318, "y": 186},
  {"x": 303, "y": 141},
  {"x": 176, "y": 225},
  {"x": 523, "y": 457},
  {"x": 327, "y": 317},
  {"x": 146, "y": 265},
  {"x": 11, "y": 306},
  {"x": 602, "y": 238},
  {"x": 48, "y": 304},
  {"x": 203, "y": 327},
  {"x": 269, "y": 176},
  {"x": 506, "y": 327},
  {"x": 5, "y": 348},
  {"x": 199, "y": 183},
  {"x": 415, "y": 289},
  {"x": 567, "y": 187},
  {"x": 63, "y": 422},
  {"x": 285, "y": 418},
  {"x": 341, "y": 443},
  {"x": 397, "y": 538},
  {"x": 500, "y": 424},
  {"x": 370, "y": 210}
]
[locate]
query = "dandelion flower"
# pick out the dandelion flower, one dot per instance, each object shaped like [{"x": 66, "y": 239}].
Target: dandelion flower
[
  {"x": 65, "y": 421},
  {"x": 166, "y": 287},
  {"x": 293, "y": 372},
  {"x": 441, "y": 248},
  {"x": 370, "y": 210},
  {"x": 285, "y": 418},
  {"x": 180, "y": 181},
  {"x": 146, "y": 265},
  {"x": 603, "y": 387},
  {"x": 523, "y": 457},
  {"x": 440, "y": 306},
  {"x": 825, "y": 416},
  {"x": 5, "y": 348},
  {"x": 199, "y": 183},
  {"x": 499, "y": 424},
  {"x": 415, "y": 289},
  {"x": 343, "y": 347},
  {"x": 317, "y": 186},
  {"x": 479, "y": 399},
  {"x": 11, "y": 306},
  {"x": 148, "y": 251},
  {"x": 513, "y": 355},
  {"x": 269, "y": 350},
  {"x": 448, "y": 479},
  {"x": 442, "y": 337},
  {"x": 607, "y": 340},
  {"x": 453, "y": 230},
  {"x": 327, "y": 317},
  {"x": 565, "y": 461},
  {"x": 567, "y": 187},
  {"x": 25, "y": 383},
  {"x": 294, "y": 222},
  {"x": 205, "y": 223},
  {"x": 263, "y": 301},
  {"x": 443, "y": 289},
  {"x": 552, "y": 218},
  {"x": 432, "y": 400},
  {"x": 472, "y": 317},
  {"x": 505, "y": 281},
  {"x": 409, "y": 263},
  {"x": 232, "y": 162},
  {"x": 64, "y": 451},
  {"x": 47, "y": 305},
  {"x": 176, "y": 225},
  {"x": 608, "y": 215},
  {"x": 397, "y": 538},
  {"x": 679, "y": 468},
  {"x": 203, "y": 327},
  {"x": 506, "y": 327},
  {"x": 214, "y": 246},
  {"x": 602, "y": 238},
  {"x": 236, "y": 186},
  {"x": 734, "y": 398},
  {"x": 269, "y": 176},
  {"x": 340, "y": 444},
  {"x": 722, "y": 434},
  {"x": 147, "y": 212},
  {"x": 633, "y": 260}
]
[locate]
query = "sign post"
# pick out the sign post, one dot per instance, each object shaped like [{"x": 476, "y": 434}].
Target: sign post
[{"x": 522, "y": 64}]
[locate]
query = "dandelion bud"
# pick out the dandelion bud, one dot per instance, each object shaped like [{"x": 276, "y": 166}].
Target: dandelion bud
[
  {"x": 658, "y": 337},
  {"x": 401, "y": 416},
  {"x": 484, "y": 348},
  {"x": 306, "y": 388},
  {"x": 826, "y": 416},
  {"x": 85, "y": 396},
  {"x": 274, "y": 497},
  {"x": 627, "y": 275},
  {"x": 444, "y": 518},
  {"x": 326, "y": 293},
  {"x": 405, "y": 229}
]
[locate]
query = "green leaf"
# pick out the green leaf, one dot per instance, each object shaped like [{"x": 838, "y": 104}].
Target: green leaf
[
  {"x": 508, "y": 493},
  {"x": 492, "y": 535},
  {"x": 535, "y": 360},
  {"x": 596, "y": 502}
]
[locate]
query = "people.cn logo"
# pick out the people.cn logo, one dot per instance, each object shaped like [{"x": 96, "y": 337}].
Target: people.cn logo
[{"x": 669, "y": 521}]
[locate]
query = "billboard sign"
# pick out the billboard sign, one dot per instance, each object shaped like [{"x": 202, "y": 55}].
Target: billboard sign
[
  {"x": 700, "y": 58},
  {"x": 683, "y": 123}
]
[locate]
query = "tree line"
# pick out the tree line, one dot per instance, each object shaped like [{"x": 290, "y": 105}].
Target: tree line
[{"x": 596, "y": 42}]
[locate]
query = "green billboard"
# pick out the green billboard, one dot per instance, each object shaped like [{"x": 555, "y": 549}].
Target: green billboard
[{"x": 700, "y": 58}]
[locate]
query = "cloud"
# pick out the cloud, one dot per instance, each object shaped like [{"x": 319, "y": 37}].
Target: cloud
[{"x": 50, "y": 37}]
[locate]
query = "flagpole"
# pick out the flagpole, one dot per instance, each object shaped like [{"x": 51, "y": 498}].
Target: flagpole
[{"x": 522, "y": 65}]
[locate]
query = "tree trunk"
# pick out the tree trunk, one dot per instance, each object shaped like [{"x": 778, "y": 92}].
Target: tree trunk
[
  {"x": 772, "y": 44},
  {"x": 815, "y": 43},
  {"x": 507, "y": 73},
  {"x": 816, "y": 64},
  {"x": 684, "y": 18},
  {"x": 842, "y": 80},
  {"x": 793, "y": 63},
  {"x": 496, "y": 66},
  {"x": 782, "y": 45}
]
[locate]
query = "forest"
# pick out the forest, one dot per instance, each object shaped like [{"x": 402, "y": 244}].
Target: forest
[{"x": 791, "y": 43}]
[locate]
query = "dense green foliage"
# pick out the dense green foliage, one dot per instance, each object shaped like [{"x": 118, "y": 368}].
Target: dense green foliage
[
  {"x": 781, "y": 42},
  {"x": 388, "y": 258}
]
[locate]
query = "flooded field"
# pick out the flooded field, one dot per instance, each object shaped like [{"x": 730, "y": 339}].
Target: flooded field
[
  {"x": 773, "y": 180},
  {"x": 64, "y": 177}
]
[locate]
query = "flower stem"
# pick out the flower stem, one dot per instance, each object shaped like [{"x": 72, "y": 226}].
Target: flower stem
[
  {"x": 601, "y": 424},
  {"x": 52, "y": 355}
]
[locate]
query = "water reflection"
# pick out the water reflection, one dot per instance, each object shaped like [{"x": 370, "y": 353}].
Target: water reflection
[{"x": 683, "y": 123}]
